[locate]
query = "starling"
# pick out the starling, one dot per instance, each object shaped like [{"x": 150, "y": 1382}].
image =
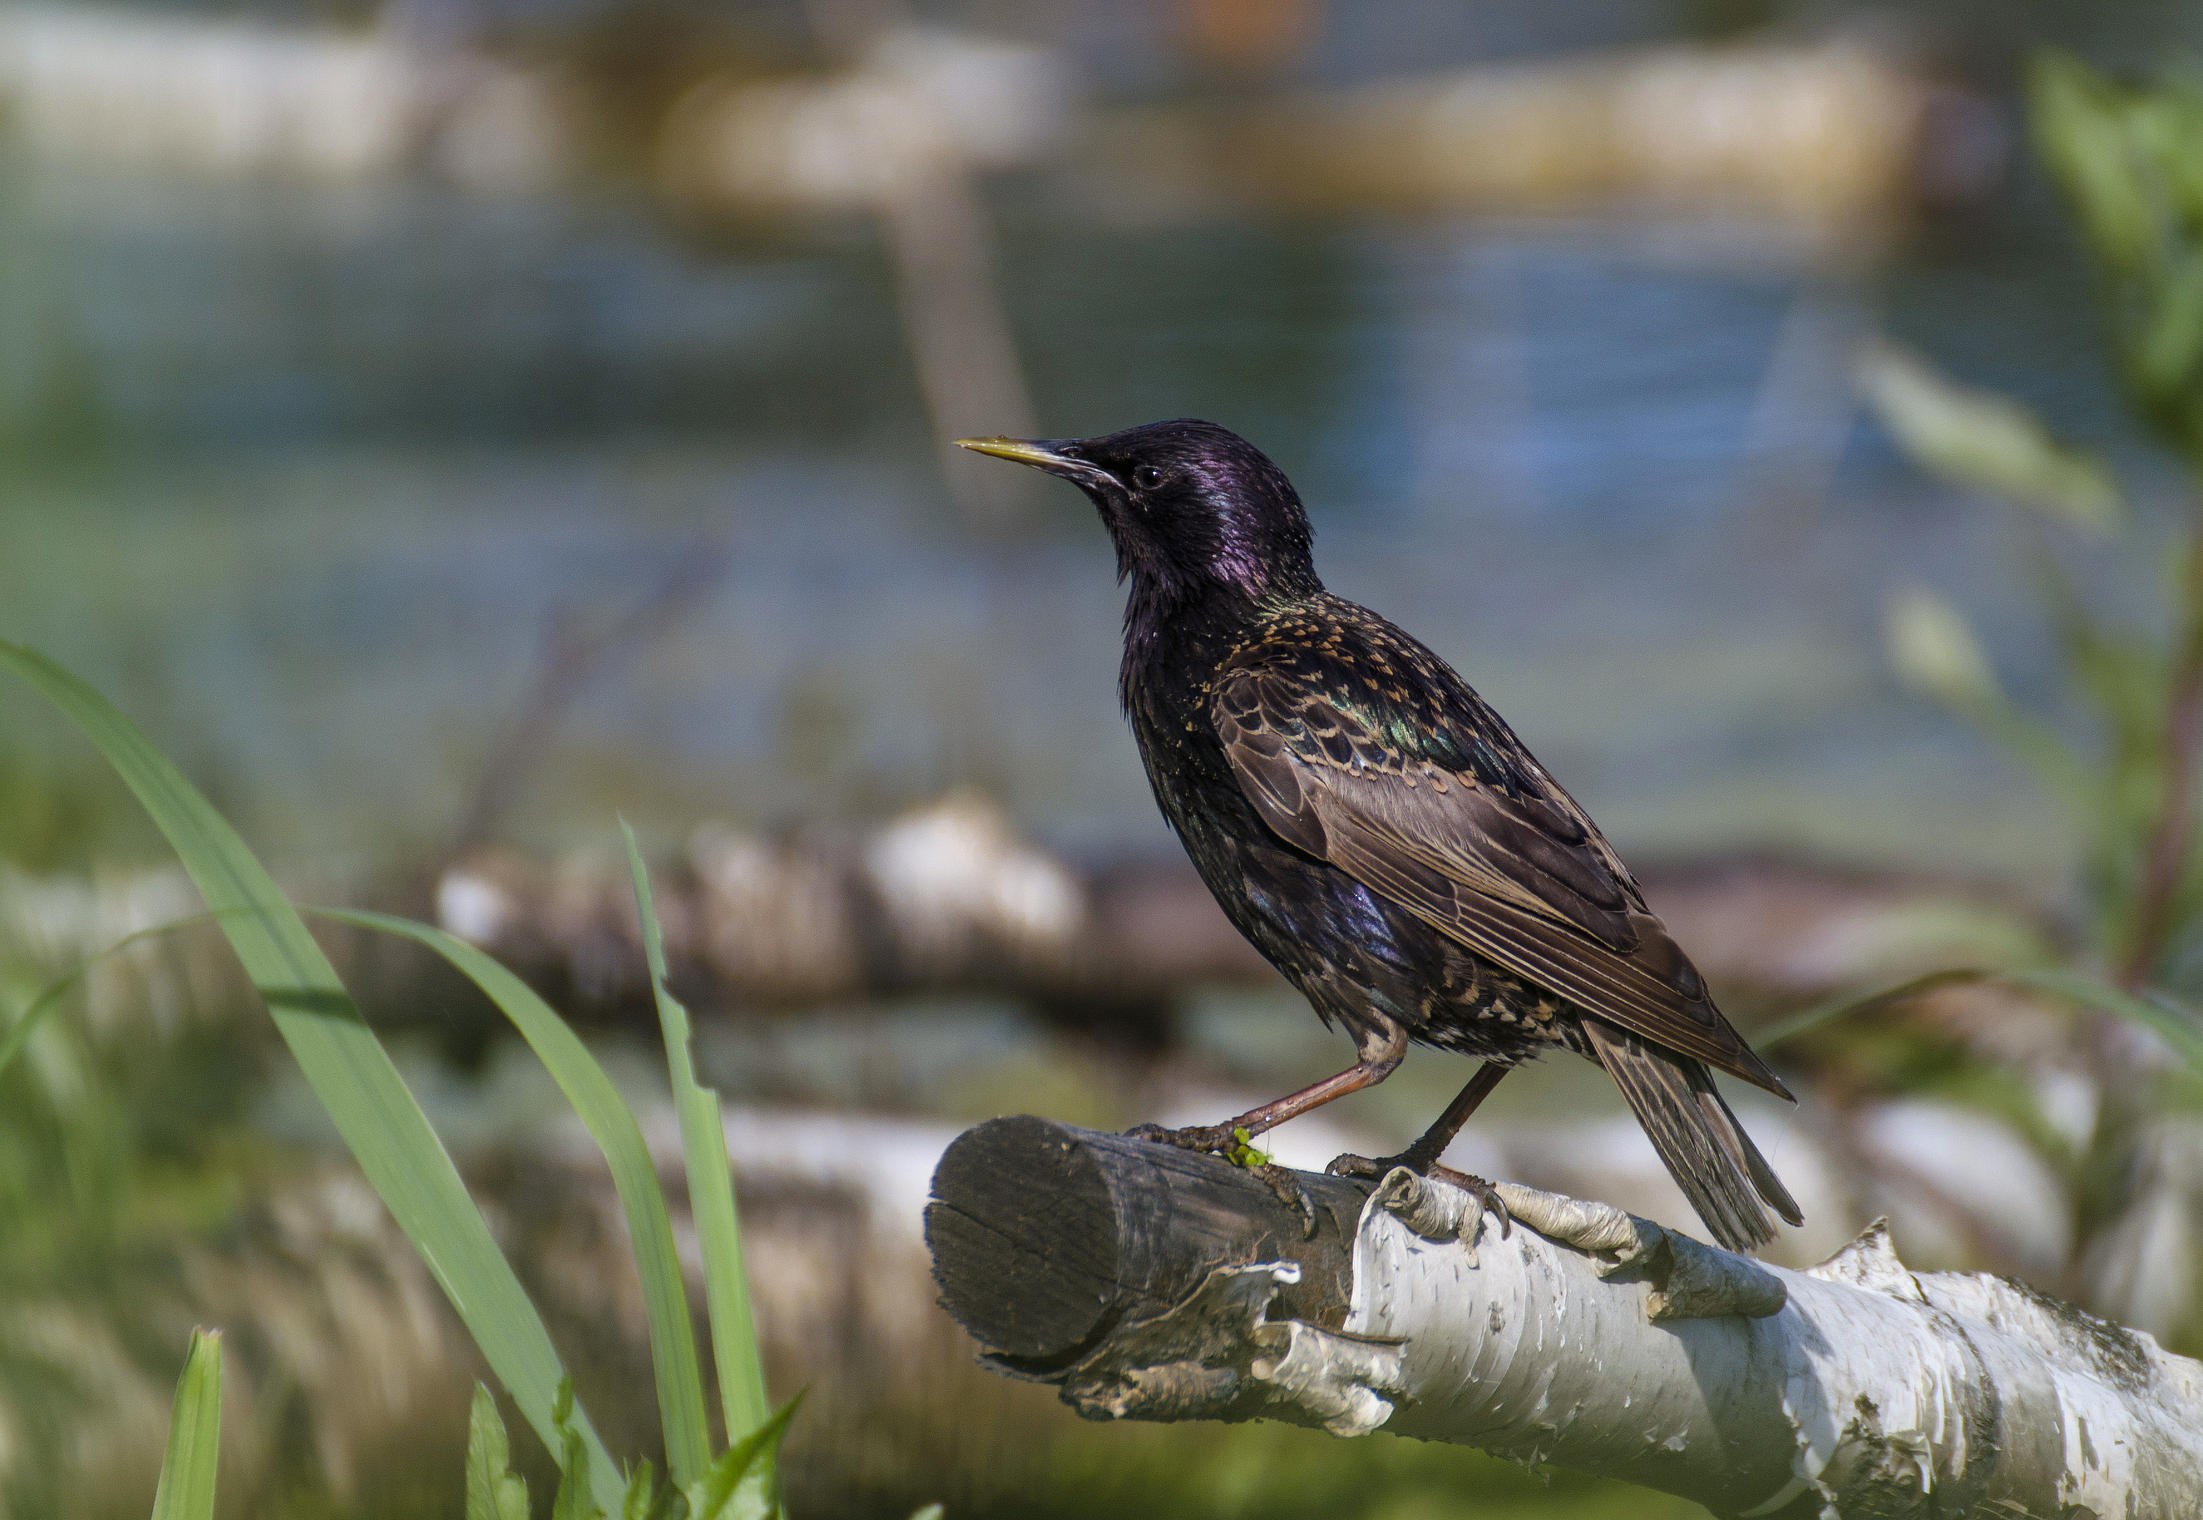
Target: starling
[{"x": 1380, "y": 834}]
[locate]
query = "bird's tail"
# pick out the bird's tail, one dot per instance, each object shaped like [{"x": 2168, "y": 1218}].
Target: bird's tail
[{"x": 1715, "y": 1163}]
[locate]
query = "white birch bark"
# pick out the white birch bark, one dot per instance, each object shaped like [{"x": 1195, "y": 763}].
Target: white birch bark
[{"x": 1591, "y": 1339}]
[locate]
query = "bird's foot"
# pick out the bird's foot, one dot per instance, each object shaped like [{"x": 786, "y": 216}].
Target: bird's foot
[
  {"x": 1236, "y": 1145},
  {"x": 1487, "y": 1196},
  {"x": 1205, "y": 1139}
]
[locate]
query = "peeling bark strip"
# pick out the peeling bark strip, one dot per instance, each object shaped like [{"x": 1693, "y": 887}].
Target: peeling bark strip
[{"x": 1150, "y": 1284}]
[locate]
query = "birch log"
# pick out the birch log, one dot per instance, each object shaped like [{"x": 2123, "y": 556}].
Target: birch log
[
  {"x": 952, "y": 896},
  {"x": 1149, "y": 1284}
]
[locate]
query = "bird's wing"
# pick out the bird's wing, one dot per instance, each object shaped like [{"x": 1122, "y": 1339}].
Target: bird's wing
[{"x": 1501, "y": 860}]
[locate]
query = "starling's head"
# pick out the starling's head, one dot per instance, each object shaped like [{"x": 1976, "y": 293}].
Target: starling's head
[{"x": 1193, "y": 507}]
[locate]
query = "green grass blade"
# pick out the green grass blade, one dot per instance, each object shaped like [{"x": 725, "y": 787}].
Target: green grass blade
[
  {"x": 344, "y": 1063},
  {"x": 649, "y": 1226},
  {"x": 2179, "y": 1027},
  {"x": 186, "y": 1491},
  {"x": 734, "y": 1353},
  {"x": 645, "y": 1500},
  {"x": 49, "y": 998},
  {"x": 744, "y": 1483},
  {"x": 494, "y": 1491},
  {"x": 594, "y": 1099},
  {"x": 1851, "y": 1005},
  {"x": 575, "y": 1498}
]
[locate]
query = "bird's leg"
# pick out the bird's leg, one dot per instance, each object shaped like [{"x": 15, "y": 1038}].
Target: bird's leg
[
  {"x": 1381, "y": 1055},
  {"x": 1422, "y": 1156},
  {"x": 1233, "y": 1139},
  {"x": 1424, "y": 1153}
]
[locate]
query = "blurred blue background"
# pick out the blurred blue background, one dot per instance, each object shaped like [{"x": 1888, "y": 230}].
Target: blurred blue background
[{"x": 305, "y": 469}]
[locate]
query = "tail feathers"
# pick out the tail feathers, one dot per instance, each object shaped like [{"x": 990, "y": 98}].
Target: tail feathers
[{"x": 1715, "y": 1163}]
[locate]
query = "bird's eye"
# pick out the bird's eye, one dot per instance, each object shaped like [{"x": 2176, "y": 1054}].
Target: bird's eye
[{"x": 1147, "y": 477}]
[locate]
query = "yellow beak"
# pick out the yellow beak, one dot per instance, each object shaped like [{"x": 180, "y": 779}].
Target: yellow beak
[{"x": 1032, "y": 451}]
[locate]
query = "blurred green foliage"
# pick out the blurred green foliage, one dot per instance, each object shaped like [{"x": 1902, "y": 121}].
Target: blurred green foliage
[
  {"x": 390, "y": 1137},
  {"x": 1990, "y": 443},
  {"x": 2118, "y": 747},
  {"x": 49, "y": 818},
  {"x": 119, "y": 1147},
  {"x": 2128, "y": 161},
  {"x": 735, "y": 1485}
]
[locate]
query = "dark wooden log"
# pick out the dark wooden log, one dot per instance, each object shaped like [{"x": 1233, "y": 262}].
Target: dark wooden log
[{"x": 1045, "y": 1237}]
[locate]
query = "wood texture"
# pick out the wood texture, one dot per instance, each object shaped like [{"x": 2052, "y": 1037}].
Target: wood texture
[{"x": 1046, "y": 1237}]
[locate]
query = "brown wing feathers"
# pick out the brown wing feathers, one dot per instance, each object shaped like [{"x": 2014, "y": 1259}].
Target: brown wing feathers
[{"x": 1522, "y": 878}]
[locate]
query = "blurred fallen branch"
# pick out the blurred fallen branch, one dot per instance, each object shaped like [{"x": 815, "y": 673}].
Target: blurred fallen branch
[
  {"x": 1150, "y": 1284},
  {"x": 950, "y": 895},
  {"x": 1842, "y": 135},
  {"x": 1838, "y": 133},
  {"x": 232, "y": 98},
  {"x": 907, "y": 101},
  {"x": 946, "y": 896}
]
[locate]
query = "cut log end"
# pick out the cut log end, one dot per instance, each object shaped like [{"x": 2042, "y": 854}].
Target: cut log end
[
  {"x": 1046, "y": 1237},
  {"x": 1024, "y": 1240}
]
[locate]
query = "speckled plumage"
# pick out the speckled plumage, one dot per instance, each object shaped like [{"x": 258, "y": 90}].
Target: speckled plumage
[
  {"x": 1378, "y": 831},
  {"x": 1337, "y": 688}
]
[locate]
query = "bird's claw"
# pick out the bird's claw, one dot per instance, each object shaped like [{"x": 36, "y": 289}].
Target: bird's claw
[
  {"x": 1234, "y": 1144},
  {"x": 1286, "y": 1184},
  {"x": 1487, "y": 1196}
]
